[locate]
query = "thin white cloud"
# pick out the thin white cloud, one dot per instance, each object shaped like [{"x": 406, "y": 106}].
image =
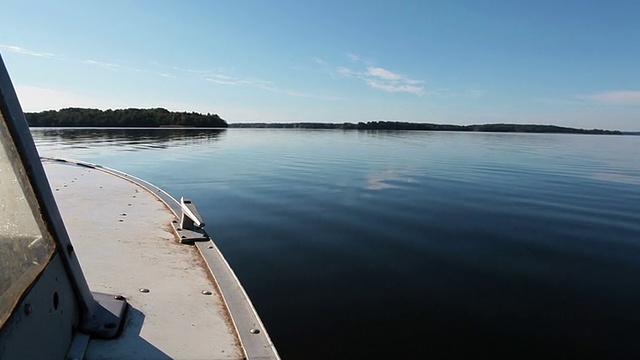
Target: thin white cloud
[
  {"x": 91, "y": 62},
  {"x": 228, "y": 80},
  {"x": 117, "y": 67},
  {"x": 296, "y": 93},
  {"x": 34, "y": 98},
  {"x": 103, "y": 64},
  {"x": 346, "y": 72},
  {"x": 392, "y": 87},
  {"x": 619, "y": 97},
  {"x": 57, "y": 99},
  {"x": 234, "y": 82},
  {"x": 384, "y": 74},
  {"x": 386, "y": 80},
  {"x": 21, "y": 50},
  {"x": 221, "y": 79},
  {"x": 353, "y": 58},
  {"x": 325, "y": 67},
  {"x": 320, "y": 61}
]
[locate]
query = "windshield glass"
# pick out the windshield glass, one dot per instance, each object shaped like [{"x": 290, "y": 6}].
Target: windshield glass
[{"x": 24, "y": 248}]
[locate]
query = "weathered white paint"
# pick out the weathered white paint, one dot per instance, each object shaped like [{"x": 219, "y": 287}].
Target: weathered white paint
[{"x": 123, "y": 240}]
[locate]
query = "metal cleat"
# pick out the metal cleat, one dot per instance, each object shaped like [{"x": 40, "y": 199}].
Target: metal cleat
[{"x": 191, "y": 226}]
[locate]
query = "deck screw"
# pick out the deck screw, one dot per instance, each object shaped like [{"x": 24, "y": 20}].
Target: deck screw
[
  {"x": 119, "y": 297},
  {"x": 206, "y": 292},
  {"x": 210, "y": 247},
  {"x": 254, "y": 331},
  {"x": 144, "y": 290}
]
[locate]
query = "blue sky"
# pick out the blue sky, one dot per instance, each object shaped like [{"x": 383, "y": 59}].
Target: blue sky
[{"x": 571, "y": 63}]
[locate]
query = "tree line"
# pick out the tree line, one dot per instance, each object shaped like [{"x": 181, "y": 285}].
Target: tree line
[
  {"x": 82, "y": 117},
  {"x": 397, "y": 125},
  {"x": 158, "y": 117}
]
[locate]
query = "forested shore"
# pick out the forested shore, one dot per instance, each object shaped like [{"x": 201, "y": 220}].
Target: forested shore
[
  {"x": 157, "y": 117},
  {"x": 396, "y": 125}
]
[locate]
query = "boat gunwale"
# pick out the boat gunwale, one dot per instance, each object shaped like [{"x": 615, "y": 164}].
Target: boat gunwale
[{"x": 249, "y": 328}]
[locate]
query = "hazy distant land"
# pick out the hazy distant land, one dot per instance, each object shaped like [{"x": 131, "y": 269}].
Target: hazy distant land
[
  {"x": 397, "y": 125},
  {"x": 159, "y": 117}
]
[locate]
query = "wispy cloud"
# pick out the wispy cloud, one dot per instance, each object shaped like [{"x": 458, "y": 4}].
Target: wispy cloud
[
  {"x": 270, "y": 86},
  {"x": 296, "y": 93},
  {"x": 320, "y": 61},
  {"x": 117, "y": 67},
  {"x": 384, "y": 79},
  {"x": 346, "y": 72},
  {"x": 226, "y": 80},
  {"x": 21, "y": 50},
  {"x": 353, "y": 58},
  {"x": 383, "y": 74},
  {"x": 163, "y": 71},
  {"x": 619, "y": 97},
  {"x": 103, "y": 64},
  {"x": 90, "y": 62},
  {"x": 34, "y": 98},
  {"x": 394, "y": 87},
  {"x": 177, "y": 72}
]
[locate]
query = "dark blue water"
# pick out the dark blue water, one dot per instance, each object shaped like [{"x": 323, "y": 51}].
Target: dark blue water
[{"x": 410, "y": 244}]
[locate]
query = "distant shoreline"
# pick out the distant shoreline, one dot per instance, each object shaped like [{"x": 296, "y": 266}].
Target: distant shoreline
[
  {"x": 396, "y": 125},
  {"x": 162, "y": 118},
  {"x": 151, "y": 118}
]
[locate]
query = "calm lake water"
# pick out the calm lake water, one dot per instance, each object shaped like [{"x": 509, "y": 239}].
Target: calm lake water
[{"x": 401, "y": 244}]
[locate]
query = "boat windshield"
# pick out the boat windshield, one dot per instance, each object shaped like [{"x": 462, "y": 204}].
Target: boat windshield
[{"x": 25, "y": 247}]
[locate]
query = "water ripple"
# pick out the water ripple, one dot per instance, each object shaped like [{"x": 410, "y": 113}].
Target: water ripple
[{"x": 470, "y": 245}]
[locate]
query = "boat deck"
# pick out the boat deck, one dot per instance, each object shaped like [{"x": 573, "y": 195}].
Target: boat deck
[{"x": 126, "y": 246}]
